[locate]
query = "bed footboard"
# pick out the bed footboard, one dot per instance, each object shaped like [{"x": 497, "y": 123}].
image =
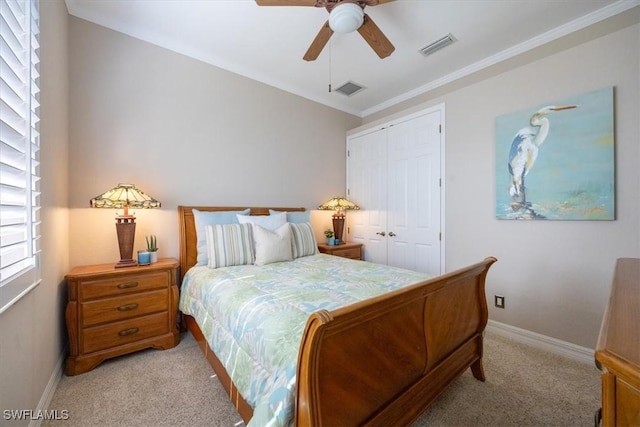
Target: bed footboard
[{"x": 424, "y": 336}]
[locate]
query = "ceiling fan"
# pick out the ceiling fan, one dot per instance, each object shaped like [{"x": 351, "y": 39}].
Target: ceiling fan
[{"x": 345, "y": 16}]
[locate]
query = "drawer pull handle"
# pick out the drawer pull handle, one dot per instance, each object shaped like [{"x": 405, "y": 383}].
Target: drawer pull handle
[
  {"x": 129, "y": 331},
  {"x": 128, "y": 307},
  {"x": 127, "y": 285}
]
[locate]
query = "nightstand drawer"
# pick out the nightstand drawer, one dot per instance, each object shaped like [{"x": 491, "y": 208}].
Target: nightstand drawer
[
  {"x": 353, "y": 253},
  {"x": 125, "y": 284},
  {"x": 345, "y": 250},
  {"x": 115, "y": 334},
  {"x": 124, "y": 307}
]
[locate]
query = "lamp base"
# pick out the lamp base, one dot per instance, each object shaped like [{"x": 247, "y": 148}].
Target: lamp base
[
  {"x": 126, "y": 263},
  {"x": 338, "y": 227},
  {"x": 126, "y": 230}
]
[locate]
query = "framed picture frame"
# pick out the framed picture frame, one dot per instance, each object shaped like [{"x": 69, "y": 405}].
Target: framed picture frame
[{"x": 555, "y": 161}]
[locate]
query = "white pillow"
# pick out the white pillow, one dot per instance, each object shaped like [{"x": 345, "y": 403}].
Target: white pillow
[
  {"x": 270, "y": 222},
  {"x": 272, "y": 246}
]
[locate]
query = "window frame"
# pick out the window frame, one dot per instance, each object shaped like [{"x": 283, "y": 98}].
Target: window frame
[{"x": 19, "y": 150}]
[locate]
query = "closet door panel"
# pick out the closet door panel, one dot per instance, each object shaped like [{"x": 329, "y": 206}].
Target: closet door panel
[
  {"x": 427, "y": 216},
  {"x": 399, "y": 242},
  {"x": 430, "y": 216},
  {"x": 367, "y": 180},
  {"x": 413, "y": 194}
]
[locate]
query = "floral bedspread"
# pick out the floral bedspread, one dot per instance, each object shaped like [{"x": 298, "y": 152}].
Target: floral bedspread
[{"x": 253, "y": 318}]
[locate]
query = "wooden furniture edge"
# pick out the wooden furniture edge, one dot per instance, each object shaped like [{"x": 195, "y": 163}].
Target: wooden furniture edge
[{"x": 617, "y": 352}]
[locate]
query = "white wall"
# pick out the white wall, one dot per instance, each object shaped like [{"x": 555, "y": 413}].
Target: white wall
[
  {"x": 555, "y": 275},
  {"x": 32, "y": 335},
  {"x": 186, "y": 133}
]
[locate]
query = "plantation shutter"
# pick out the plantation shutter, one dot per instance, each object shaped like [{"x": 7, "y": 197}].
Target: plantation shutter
[{"x": 19, "y": 150}]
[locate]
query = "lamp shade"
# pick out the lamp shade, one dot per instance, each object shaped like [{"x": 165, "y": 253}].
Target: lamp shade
[
  {"x": 346, "y": 18},
  {"x": 125, "y": 196},
  {"x": 338, "y": 204}
]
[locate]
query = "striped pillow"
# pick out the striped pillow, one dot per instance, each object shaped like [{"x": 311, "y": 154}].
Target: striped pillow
[
  {"x": 229, "y": 244},
  {"x": 303, "y": 240}
]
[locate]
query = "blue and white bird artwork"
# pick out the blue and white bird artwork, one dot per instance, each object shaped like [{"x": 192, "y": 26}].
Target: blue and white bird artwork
[
  {"x": 556, "y": 160},
  {"x": 524, "y": 152}
]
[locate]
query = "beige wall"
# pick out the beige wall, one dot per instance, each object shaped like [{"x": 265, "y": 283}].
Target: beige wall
[
  {"x": 32, "y": 336},
  {"x": 555, "y": 275},
  {"x": 186, "y": 133}
]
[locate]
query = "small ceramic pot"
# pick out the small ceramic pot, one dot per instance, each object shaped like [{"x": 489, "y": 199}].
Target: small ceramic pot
[{"x": 144, "y": 257}]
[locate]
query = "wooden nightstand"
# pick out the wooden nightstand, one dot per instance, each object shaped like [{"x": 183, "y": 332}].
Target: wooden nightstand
[
  {"x": 115, "y": 311},
  {"x": 346, "y": 250}
]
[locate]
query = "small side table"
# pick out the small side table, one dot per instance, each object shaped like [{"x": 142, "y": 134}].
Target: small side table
[
  {"x": 114, "y": 311},
  {"x": 345, "y": 250}
]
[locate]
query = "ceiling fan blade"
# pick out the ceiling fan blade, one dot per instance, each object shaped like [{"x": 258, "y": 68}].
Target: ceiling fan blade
[
  {"x": 318, "y": 43},
  {"x": 376, "y": 39},
  {"x": 286, "y": 2}
]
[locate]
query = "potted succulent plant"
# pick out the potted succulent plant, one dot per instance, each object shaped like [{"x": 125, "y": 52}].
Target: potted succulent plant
[
  {"x": 152, "y": 248},
  {"x": 328, "y": 233}
]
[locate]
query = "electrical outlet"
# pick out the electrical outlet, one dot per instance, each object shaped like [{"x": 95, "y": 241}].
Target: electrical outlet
[{"x": 499, "y": 301}]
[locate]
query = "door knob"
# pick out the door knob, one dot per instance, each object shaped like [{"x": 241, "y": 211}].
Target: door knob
[
  {"x": 392, "y": 234},
  {"x": 381, "y": 233}
]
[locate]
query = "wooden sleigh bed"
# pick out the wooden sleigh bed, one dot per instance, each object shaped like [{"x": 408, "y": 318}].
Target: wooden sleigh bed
[{"x": 379, "y": 362}]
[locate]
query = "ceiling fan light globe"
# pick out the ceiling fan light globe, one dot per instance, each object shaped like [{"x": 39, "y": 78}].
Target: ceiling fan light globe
[{"x": 346, "y": 18}]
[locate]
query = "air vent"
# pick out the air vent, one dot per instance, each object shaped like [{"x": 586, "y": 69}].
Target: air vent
[
  {"x": 350, "y": 88},
  {"x": 437, "y": 45}
]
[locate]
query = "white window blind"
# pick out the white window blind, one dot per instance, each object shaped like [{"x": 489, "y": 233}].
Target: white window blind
[{"x": 19, "y": 150}]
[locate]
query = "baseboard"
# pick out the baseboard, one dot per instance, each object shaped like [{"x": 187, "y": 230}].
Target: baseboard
[
  {"x": 49, "y": 391},
  {"x": 542, "y": 342}
]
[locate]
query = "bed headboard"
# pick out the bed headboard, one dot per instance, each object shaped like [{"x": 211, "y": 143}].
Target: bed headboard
[{"x": 188, "y": 237}]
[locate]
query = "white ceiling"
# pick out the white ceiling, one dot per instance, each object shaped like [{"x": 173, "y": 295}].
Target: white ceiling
[{"x": 267, "y": 43}]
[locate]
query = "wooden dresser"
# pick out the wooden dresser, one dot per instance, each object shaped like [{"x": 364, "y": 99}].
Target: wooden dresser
[
  {"x": 345, "y": 250},
  {"x": 618, "y": 350},
  {"x": 115, "y": 311}
]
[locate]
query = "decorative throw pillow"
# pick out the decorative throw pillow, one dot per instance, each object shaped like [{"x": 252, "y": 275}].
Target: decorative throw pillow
[
  {"x": 270, "y": 222},
  {"x": 294, "y": 217},
  {"x": 229, "y": 244},
  {"x": 202, "y": 219},
  {"x": 303, "y": 240},
  {"x": 272, "y": 245}
]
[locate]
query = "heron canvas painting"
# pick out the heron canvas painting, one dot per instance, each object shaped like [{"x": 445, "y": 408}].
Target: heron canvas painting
[{"x": 556, "y": 161}]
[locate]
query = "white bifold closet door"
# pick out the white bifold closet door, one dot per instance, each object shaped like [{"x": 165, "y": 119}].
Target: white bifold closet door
[{"x": 393, "y": 174}]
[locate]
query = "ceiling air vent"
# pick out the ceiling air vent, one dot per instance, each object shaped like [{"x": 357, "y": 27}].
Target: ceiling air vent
[
  {"x": 437, "y": 45},
  {"x": 350, "y": 88}
]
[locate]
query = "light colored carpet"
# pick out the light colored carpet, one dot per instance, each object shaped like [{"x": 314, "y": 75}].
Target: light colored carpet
[{"x": 524, "y": 387}]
